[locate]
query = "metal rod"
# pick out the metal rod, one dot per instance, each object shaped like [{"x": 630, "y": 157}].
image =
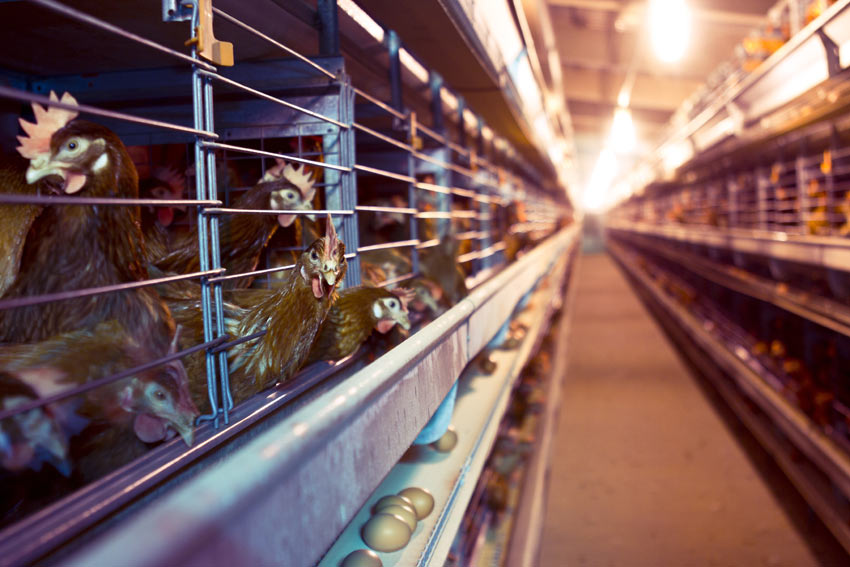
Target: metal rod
[
  {"x": 224, "y": 346},
  {"x": 31, "y": 97},
  {"x": 13, "y": 199},
  {"x": 432, "y": 187},
  {"x": 71, "y": 392},
  {"x": 225, "y": 210},
  {"x": 270, "y": 98},
  {"x": 402, "y": 210},
  {"x": 383, "y": 137},
  {"x": 219, "y": 279},
  {"x": 379, "y": 103},
  {"x": 261, "y": 35},
  {"x": 252, "y": 151},
  {"x": 16, "y": 302},
  {"x": 106, "y": 26},
  {"x": 384, "y": 173},
  {"x": 388, "y": 245}
]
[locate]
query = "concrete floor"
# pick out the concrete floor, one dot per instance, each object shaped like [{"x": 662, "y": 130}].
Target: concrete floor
[{"x": 644, "y": 470}]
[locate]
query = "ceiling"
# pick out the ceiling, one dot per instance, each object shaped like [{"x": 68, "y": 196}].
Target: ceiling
[{"x": 600, "y": 40}]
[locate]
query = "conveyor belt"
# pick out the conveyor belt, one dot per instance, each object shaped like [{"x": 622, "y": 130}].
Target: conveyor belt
[{"x": 644, "y": 472}]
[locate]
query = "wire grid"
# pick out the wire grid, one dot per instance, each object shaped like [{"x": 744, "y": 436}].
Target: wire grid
[
  {"x": 471, "y": 194},
  {"x": 801, "y": 188}
]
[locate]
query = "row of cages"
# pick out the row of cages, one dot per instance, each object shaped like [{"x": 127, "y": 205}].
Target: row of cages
[
  {"x": 783, "y": 21},
  {"x": 781, "y": 370},
  {"x": 805, "y": 361},
  {"x": 180, "y": 239},
  {"x": 798, "y": 185}
]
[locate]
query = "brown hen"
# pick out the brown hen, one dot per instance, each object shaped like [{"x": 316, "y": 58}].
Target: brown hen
[
  {"x": 290, "y": 316},
  {"x": 354, "y": 315},
  {"x": 149, "y": 401},
  {"x": 244, "y": 236},
  {"x": 77, "y": 247}
]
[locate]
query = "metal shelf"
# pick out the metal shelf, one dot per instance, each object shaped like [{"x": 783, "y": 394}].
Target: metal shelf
[
  {"x": 451, "y": 478},
  {"x": 324, "y": 459},
  {"x": 782, "y": 429},
  {"x": 830, "y": 314},
  {"x": 822, "y": 251}
]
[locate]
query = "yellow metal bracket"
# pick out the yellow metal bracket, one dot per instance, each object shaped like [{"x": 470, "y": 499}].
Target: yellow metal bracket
[{"x": 209, "y": 48}]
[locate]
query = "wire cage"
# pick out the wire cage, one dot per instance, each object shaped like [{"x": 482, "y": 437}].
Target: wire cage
[{"x": 202, "y": 137}]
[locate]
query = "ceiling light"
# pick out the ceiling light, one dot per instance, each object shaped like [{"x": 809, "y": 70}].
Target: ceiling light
[{"x": 669, "y": 28}]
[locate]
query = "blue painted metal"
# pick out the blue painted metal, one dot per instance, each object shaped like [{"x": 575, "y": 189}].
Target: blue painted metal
[
  {"x": 328, "y": 25},
  {"x": 199, "y": 119},
  {"x": 348, "y": 182},
  {"x": 440, "y": 421}
]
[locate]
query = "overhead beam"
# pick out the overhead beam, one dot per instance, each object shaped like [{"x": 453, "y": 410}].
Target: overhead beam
[{"x": 721, "y": 17}]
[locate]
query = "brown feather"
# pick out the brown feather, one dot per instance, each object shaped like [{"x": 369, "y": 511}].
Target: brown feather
[
  {"x": 291, "y": 316},
  {"x": 349, "y": 323},
  {"x": 76, "y": 247},
  {"x": 243, "y": 237},
  {"x": 15, "y": 220}
]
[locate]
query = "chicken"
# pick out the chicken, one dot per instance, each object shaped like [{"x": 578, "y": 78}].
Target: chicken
[
  {"x": 243, "y": 236},
  {"x": 378, "y": 266},
  {"x": 15, "y": 220},
  {"x": 354, "y": 315},
  {"x": 106, "y": 247},
  {"x": 29, "y": 438},
  {"x": 150, "y": 401},
  {"x": 290, "y": 316},
  {"x": 439, "y": 264}
]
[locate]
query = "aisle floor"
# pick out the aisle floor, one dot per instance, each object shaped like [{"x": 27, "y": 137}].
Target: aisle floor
[{"x": 644, "y": 471}]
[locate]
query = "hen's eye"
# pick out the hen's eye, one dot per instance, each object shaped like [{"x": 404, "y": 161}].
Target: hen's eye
[
  {"x": 290, "y": 195},
  {"x": 72, "y": 145},
  {"x": 159, "y": 395},
  {"x": 393, "y": 304},
  {"x": 313, "y": 255}
]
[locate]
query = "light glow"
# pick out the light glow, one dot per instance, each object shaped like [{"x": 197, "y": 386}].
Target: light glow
[
  {"x": 448, "y": 98},
  {"x": 411, "y": 64},
  {"x": 622, "y": 138},
  {"x": 669, "y": 28},
  {"x": 357, "y": 14},
  {"x": 597, "y": 194}
]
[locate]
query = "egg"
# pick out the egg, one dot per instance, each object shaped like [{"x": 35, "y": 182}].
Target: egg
[
  {"x": 422, "y": 500},
  {"x": 403, "y": 512},
  {"x": 447, "y": 442},
  {"x": 392, "y": 500},
  {"x": 386, "y": 532},
  {"x": 362, "y": 558}
]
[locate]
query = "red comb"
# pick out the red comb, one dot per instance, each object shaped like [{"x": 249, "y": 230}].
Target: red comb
[
  {"x": 331, "y": 240},
  {"x": 47, "y": 122}
]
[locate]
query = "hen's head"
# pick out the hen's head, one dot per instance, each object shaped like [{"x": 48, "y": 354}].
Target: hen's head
[
  {"x": 28, "y": 438},
  {"x": 291, "y": 189},
  {"x": 75, "y": 153},
  {"x": 160, "y": 398},
  {"x": 323, "y": 264},
  {"x": 390, "y": 309}
]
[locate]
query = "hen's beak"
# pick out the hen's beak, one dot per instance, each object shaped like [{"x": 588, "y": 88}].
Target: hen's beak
[
  {"x": 329, "y": 272},
  {"x": 186, "y": 428},
  {"x": 41, "y": 167}
]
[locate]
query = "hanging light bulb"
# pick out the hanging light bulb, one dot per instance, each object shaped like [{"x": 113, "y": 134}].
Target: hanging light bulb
[{"x": 669, "y": 28}]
